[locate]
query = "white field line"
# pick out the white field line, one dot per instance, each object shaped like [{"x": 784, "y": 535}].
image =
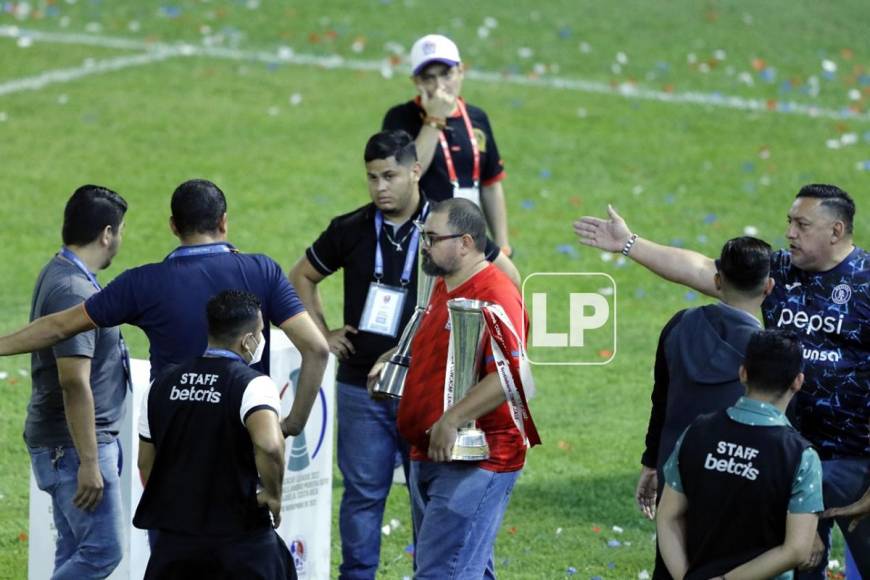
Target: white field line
[
  {"x": 66, "y": 75},
  {"x": 287, "y": 56}
]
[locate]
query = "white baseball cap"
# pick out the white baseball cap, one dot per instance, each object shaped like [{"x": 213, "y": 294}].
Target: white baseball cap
[{"x": 433, "y": 48}]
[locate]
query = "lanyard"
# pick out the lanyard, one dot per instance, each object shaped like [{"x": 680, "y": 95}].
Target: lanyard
[
  {"x": 122, "y": 346},
  {"x": 409, "y": 257},
  {"x": 206, "y": 249},
  {"x": 224, "y": 353},
  {"x": 77, "y": 262},
  {"x": 475, "y": 150}
]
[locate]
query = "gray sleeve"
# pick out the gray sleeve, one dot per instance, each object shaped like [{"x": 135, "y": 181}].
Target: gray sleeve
[{"x": 63, "y": 296}]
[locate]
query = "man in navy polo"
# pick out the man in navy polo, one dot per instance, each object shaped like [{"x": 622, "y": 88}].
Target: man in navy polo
[{"x": 167, "y": 299}]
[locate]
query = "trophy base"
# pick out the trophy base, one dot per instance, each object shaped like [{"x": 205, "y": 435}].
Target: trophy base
[
  {"x": 470, "y": 446},
  {"x": 392, "y": 382}
]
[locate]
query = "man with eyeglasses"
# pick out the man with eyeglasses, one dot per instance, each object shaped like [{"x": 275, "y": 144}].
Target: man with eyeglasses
[
  {"x": 455, "y": 144},
  {"x": 457, "y": 506},
  {"x": 376, "y": 245}
]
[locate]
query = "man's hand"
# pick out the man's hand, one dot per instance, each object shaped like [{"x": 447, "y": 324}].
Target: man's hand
[
  {"x": 814, "y": 558},
  {"x": 646, "y": 491},
  {"x": 442, "y": 437},
  {"x": 373, "y": 377},
  {"x": 89, "y": 492},
  {"x": 273, "y": 504},
  {"x": 857, "y": 511},
  {"x": 375, "y": 373},
  {"x": 438, "y": 104},
  {"x": 339, "y": 343},
  {"x": 610, "y": 234}
]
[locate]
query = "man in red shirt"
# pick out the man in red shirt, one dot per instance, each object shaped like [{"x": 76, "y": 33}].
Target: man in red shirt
[{"x": 458, "y": 506}]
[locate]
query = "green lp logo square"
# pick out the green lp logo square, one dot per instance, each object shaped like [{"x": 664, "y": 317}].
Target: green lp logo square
[{"x": 572, "y": 318}]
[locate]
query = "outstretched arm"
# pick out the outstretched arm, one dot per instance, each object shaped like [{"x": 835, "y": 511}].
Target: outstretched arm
[
  {"x": 685, "y": 267},
  {"x": 47, "y": 331}
]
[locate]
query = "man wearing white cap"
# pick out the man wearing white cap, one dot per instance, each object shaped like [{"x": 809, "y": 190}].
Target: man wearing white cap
[{"x": 455, "y": 144}]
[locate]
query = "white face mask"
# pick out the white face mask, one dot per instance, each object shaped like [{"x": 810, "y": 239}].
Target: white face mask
[{"x": 258, "y": 351}]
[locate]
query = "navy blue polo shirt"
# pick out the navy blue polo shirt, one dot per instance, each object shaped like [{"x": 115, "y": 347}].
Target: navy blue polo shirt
[{"x": 167, "y": 299}]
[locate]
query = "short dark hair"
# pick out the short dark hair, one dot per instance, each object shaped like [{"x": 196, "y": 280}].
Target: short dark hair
[
  {"x": 773, "y": 360},
  {"x": 833, "y": 198},
  {"x": 386, "y": 144},
  {"x": 745, "y": 263},
  {"x": 197, "y": 207},
  {"x": 231, "y": 313},
  {"x": 90, "y": 209},
  {"x": 464, "y": 217}
]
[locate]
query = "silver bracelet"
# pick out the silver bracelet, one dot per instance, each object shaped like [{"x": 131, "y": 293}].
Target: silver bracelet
[{"x": 629, "y": 244}]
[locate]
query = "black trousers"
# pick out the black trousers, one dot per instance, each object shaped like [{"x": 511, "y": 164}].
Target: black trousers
[{"x": 259, "y": 555}]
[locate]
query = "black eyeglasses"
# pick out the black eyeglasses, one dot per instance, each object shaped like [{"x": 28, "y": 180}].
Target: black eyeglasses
[{"x": 430, "y": 239}]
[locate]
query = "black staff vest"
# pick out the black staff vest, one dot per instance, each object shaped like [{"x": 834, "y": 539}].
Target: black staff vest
[
  {"x": 204, "y": 478},
  {"x": 738, "y": 480}
]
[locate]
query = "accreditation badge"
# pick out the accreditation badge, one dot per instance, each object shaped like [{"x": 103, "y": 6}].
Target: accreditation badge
[
  {"x": 383, "y": 310},
  {"x": 469, "y": 193}
]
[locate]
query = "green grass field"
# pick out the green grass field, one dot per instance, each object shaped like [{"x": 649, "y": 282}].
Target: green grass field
[{"x": 285, "y": 141}]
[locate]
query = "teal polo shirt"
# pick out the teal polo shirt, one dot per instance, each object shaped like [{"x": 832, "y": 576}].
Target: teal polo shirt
[{"x": 806, "y": 490}]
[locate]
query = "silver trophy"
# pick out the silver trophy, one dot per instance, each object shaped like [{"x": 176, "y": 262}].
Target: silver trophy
[
  {"x": 468, "y": 338},
  {"x": 392, "y": 381}
]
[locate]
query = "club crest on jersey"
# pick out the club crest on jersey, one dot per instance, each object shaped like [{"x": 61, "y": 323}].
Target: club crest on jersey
[
  {"x": 841, "y": 294},
  {"x": 481, "y": 139}
]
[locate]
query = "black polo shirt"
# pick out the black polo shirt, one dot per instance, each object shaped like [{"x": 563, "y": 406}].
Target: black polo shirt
[
  {"x": 204, "y": 478},
  {"x": 435, "y": 182},
  {"x": 738, "y": 480},
  {"x": 349, "y": 243}
]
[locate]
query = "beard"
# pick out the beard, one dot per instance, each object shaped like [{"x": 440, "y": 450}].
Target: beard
[
  {"x": 431, "y": 268},
  {"x": 114, "y": 246}
]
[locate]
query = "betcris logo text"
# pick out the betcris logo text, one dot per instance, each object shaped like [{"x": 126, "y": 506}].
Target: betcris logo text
[{"x": 810, "y": 323}]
